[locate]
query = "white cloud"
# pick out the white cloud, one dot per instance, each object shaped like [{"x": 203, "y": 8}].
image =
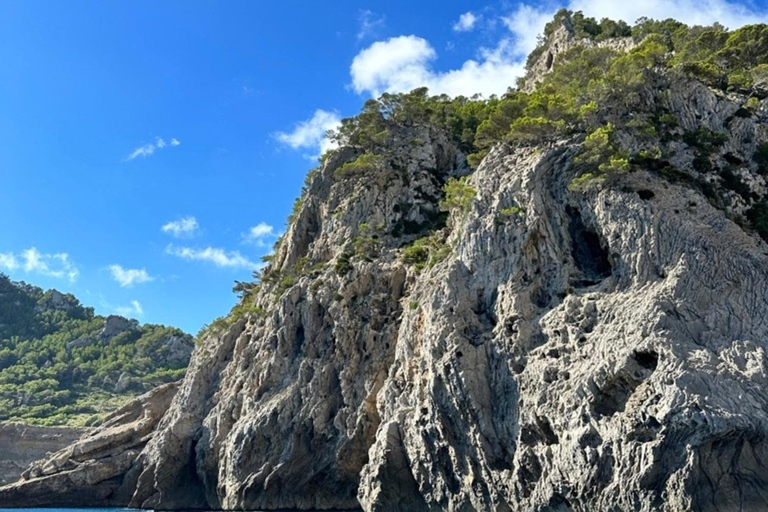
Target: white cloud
[
  {"x": 181, "y": 228},
  {"x": 127, "y": 277},
  {"x": 403, "y": 63},
  {"x": 8, "y": 261},
  {"x": 219, "y": 257},
  {"x": 57, "y": 265},
  {"x": 149, "y": 149},
  {"x": 691, "y": 12},
  {"x": 260, "y": 234},
  {"x": 466, "y": 22},
  {"x": 526, "y": 23},
  {"x": 370, "y": 24},
  {"x": 310, "y": 134},
  {"x": 134, "y": 310},
  {"x": 399, "y": 63}
]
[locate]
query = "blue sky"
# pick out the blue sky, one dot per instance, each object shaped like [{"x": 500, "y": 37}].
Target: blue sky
[{"x": 151, "y": 151}]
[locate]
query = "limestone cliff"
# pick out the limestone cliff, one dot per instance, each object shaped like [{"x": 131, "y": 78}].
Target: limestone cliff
[
  {"x": 21, "y": 445},
  {"x": 563, "y": 348}
]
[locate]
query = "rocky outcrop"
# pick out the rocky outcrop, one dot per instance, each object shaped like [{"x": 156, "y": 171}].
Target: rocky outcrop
[
  {"x": 114, "y": 325},
  {"x": 602, "y": 349},
  {"x": 20, "y": 445},
  {"x": 563, "y": 39},
  {"x": 93, "y": 471},
  {"x": 596, "y": 353}
]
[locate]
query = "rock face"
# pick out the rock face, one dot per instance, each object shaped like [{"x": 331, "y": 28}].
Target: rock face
[
  {"x": 20, "y": 445},
  {"x": 114, "y": 325},
  {"x": 574, "y": 351},
  {"x": 95, "y": 470}
]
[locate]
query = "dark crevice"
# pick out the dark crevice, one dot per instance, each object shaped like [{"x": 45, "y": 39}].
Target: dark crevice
[
  {"x": 559, "y": 503},
  {"x": 648, "y": 360},
  {"x": 612, "y": 397},
  {"x": 550, "y": 60},
  {"x": 646, "y": 195},
  {"x": 545, "y": 427},
  {"x": 587, "y": 251},
  {"x": 529, "y": 472}
]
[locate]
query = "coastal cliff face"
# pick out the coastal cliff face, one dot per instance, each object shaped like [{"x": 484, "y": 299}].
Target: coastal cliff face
[
  {"x": 563, "y": 348},
  {"x": 92, "y": 471},
  {"x": 21, "y": 445}
]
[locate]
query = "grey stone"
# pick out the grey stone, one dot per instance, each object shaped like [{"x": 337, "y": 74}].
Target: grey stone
[{"x": 597, "y": 350}]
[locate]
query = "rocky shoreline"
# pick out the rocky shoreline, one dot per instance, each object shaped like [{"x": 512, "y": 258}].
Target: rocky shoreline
[{"x": 21, "y": 445}]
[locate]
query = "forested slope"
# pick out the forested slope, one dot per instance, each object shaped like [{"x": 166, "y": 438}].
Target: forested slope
[{"x": 62, "y": 364}]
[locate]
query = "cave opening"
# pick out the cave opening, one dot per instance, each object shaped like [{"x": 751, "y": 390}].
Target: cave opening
[{"x": 587, "y": 251}]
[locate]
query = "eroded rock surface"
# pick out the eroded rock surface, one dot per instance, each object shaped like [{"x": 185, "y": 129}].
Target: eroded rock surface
[
  {"x": 21, "y": 445},
  {"x": 573, "y": 351},
  {"x": 91, "y": 472}
]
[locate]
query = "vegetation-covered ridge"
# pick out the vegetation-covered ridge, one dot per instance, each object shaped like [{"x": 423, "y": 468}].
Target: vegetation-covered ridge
[
  {"x": 62, "y": 365},
  {"x": 607, "y": 94}
]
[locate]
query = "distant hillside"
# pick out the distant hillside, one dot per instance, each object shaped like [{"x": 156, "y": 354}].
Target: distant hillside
[{"x": 61, "y": 364}]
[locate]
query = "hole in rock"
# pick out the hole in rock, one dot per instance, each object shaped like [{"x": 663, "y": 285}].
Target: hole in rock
[
  {"x": 550, "y": 437},
  {"x": 615, "y": 393},
  {"x": 550, "y": 60},
  {"x": 646, "y": 195},
  {"x": 588, "y": 253},
  {"x": 648, "y": 360},
  {"x": 529, "y": 472},
  {"x": 558, "y": 503},
  {"x": 540, "y": 297}
]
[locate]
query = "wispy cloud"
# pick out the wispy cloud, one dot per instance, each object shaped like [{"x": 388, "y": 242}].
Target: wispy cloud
[
  {"x": 8, "y": 261},
  {"x": 32, "y": 261},
  {"x": 134, "y": 310},
  {"x": 149, "y": 149},
  {"x": 310, "y": 134},
  {"x": 466, "y": 22},
  {"x": 370, "y": 24},
  {"x": 401, "y": 64},
  {"x": 128, "y": 277},
  {"x": 219, "y": 257},
  {"x": 181, "y": 228},
  {"x": 261, "y": 235}
]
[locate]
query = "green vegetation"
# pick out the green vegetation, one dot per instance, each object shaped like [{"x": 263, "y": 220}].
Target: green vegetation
[
  {"x": 589, "y": 90},
  {"x": 761, "y": 158},
  {"x": 601, "y": 156},
  {"x": 343, "y": 263},
  {"x": 59, "y": 365},
  {"x": 600, "y": 95},
  {"x": 512, "y": 210},
  {"x": 758, "y": 218},
  {"x": 427, "y": 251},
  {"x": 364, "y": 163},
  {"x": 458, "y": 195},
  {"x": 367, "y": 244},
  {"x": 371, "y": 130},
  {"x": 704, "y": 142}
]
